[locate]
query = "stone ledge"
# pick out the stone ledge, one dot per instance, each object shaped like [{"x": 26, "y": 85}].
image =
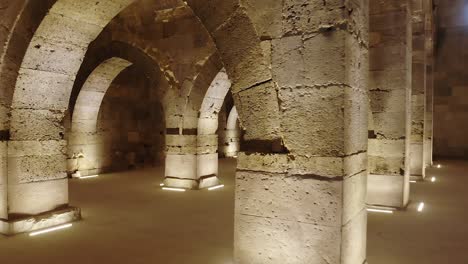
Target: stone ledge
[
  {"x": 192, "y": 184},
  {"x": 33, "y": 223}
]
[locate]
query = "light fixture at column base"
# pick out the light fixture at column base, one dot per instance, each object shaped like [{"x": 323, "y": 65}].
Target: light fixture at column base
[
  {"x": 32, "y": 223},
  {"x": 189, "y": 184},
  {"x": 208, "y": 181}
]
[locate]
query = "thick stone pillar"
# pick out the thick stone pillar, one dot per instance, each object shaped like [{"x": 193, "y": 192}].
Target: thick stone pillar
[
  {"x": 207, "y": 157},
  {"x": 428, "y": 114},
  {"x": 181, "y": 161},
  {"x": 300, "y": 197},
  {"x": 418, "y": 95},
  {"x": 390, "y": 98}
]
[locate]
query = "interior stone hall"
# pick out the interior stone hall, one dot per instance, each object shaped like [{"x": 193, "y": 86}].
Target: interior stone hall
[{"x": 233, "y": 131}]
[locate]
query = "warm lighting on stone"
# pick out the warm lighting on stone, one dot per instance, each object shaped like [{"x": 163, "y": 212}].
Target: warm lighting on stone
[
  {"x": 88, "y": 177},
  {"x": 373, "y": 210},
  {"x": 216, "y": 187},
  {"x": 173, "y": 189},
  {"x": 50, "y": 230},
  {"x": 421, "y": 207}
]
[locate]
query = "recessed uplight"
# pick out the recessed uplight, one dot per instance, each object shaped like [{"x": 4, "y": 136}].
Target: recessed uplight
[
  {"x": 173, "y": 189},
  {"x": 216, "y": 187},
  {"x": 439, "y": 166},
  {"x": 433, "y": 179},
  {"x": 379, "y": 211},
  {"x": 88, "y": 177},
  {"x": 50, "y": 229},
  {"x": 421, "y": 207}
]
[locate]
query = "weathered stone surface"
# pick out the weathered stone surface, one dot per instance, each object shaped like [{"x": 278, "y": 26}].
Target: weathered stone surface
[
  {"x": 42, "y": 90},
  {"x": 259, "y": 108},
  {"x": 36, "y": 124},
  {"x": 303, "y": 199},
  {"x": 259, "y": 240},
  {"x": 240, "y": 49},
  {"x": 37, "y": 197},
  {"x": 43, "y": 221}
]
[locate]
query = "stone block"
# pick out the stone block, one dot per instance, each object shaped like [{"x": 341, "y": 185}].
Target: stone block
[
  {"x": 287, "y": 54},
  {"x": 207, "y": 164},
  {"x": 259, "y": 240},
  {"x": 42, "y": 89},
  {"x": 87, "y": 11},
  {"x": 28, "y": 124},
  {"x": 239, "y": 46},
  {"x": 417, "y": 167},
  {"x": 289, "y": 198},
  {"x": 43, "y": 221},
  {"x": 259, "y": 110},
  {"x": 59, "y": 57},
  {"x": 37, "y": 197},
  {"x": 181, "y": 166},
  {"x": 306, "y": 113},
  {"x": 330, "y": 45},
  {"x": 386, "y": 190}
]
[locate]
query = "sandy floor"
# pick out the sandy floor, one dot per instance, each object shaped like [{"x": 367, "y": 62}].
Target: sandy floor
[{"x": 128, "y": 219}]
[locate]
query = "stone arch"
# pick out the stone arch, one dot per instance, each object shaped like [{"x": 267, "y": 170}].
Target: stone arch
[
  {"x": 37, "y": 181},
  {"x": 207, "y": 139},
  {"x": 82, "y": 147}
]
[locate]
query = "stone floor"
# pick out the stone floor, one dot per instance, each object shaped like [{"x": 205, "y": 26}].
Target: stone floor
[
  {"x": 438, "y": 235},
  {"x": 128, "y": 219}
]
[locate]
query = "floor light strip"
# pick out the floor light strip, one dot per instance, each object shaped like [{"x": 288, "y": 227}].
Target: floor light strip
[
  {"x": 380, "y": 211},
  {"x": 173, "y": 189},
  {"x": 413, "y": 181},
  {"x": 88, "y": 177},
  {"x": 50, "y": 229},
  {"x": 216, "y": 187},
  {"x": 421, "y": 207},
  {"x": 162, "y": 184}
]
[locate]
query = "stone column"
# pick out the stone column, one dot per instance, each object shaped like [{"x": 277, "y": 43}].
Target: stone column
[
  {"x": 232, "y": 135},
  {"x": 428, "y": 114},
  {"x": 300, "y": 188},
  {"x": 181, "y": 161},
  {"x": 207, "y": 153},
  {"x": 417, "y": 166},
  {"x": 390, "y": 98}
]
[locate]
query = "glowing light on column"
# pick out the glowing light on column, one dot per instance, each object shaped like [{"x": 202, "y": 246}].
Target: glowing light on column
[
  {"x": 216, "y": 187},
  {"x": 421, "y": 207},
  {"x": 379, "y": 211},
  {"x": 173, "y": 189},
  {"x": 50, "y": 230},
  {"x": 88, "y": 177}
]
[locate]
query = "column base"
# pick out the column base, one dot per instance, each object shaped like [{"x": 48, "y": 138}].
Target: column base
[
  {"x": 192, "y": 184},
  {"x": 389, "y": 191},
  {"x": 417, "y": 178},
  {"x": 32, "y": 223}
]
